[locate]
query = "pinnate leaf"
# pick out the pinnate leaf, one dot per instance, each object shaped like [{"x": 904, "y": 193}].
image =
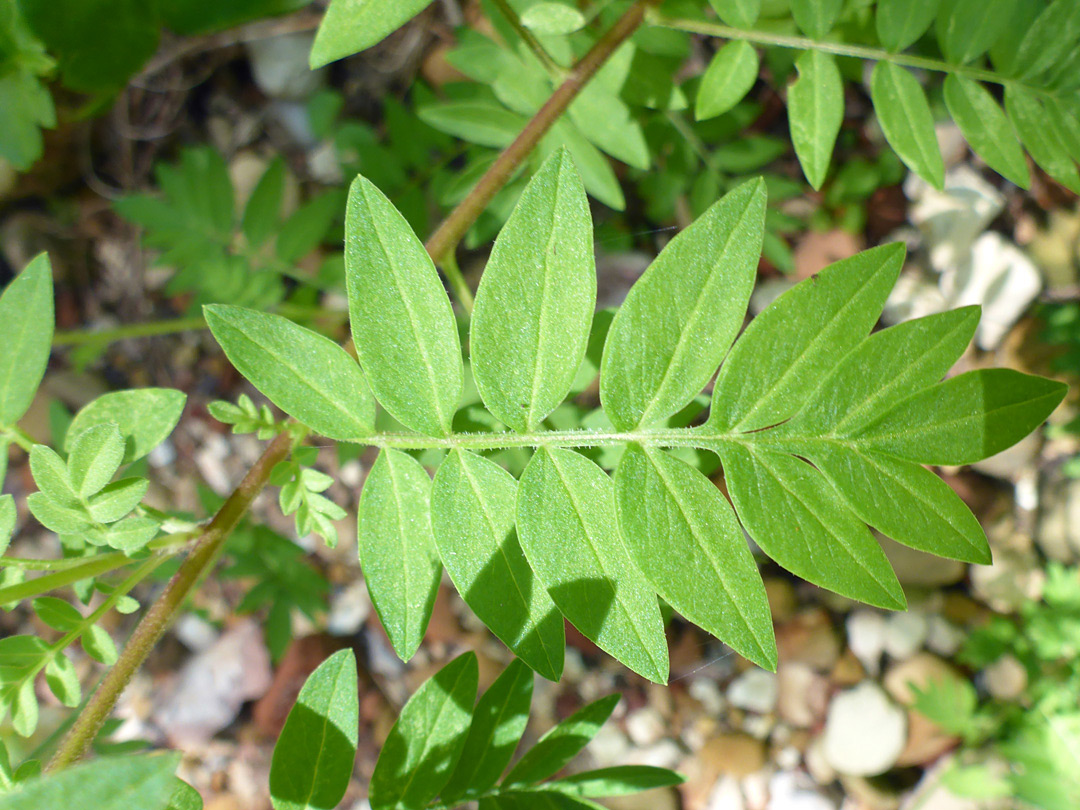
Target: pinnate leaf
[
  {"x": 473, "y": 502},
  {"x": 26, "y": 312},
  {"x": 425, "y": 743},
  {"x": 397, "y": 551},
  {"x": 305, "y": 374},
  {"x": 401, "y": 319},
  {"x": 566, "y": 524},
  {"x": 313, "y": 757},
  {"x": 534, "y": 305},
  {"x": 701, "y": 281}
]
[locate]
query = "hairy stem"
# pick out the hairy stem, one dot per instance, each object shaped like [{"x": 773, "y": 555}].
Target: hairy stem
[
  {"x": 72, "y": 569},
  {"x": 157, "y": 619},
  {"x": 712, "y": 29},
  {"x": 547, "y": 438},
  {"x": 453, "y": 228},
  {"x": 16, "y": 435}
]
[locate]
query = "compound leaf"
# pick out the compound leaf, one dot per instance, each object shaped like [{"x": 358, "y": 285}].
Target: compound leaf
[
  {"x": 684, "y": 537},
  {"x": 426, "y": 742},
  {"x": 26, "y": 312},
  {"x": 307, "y": 375},
  {"x": 566, "y": 524},
  {"x": 313, "y": 757},
  {"x": 534, "y": 305},
  {"x": 473, "y": 502},
  {"x": 397, "y": 551},
  {"x": 815, "y": 112},
  {"x": 681, "y": 316},
  {"x": 906, "y": 120},
  {"x": 401, "y": 319}
]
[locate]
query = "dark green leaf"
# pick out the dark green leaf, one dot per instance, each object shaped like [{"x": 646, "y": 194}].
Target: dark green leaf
[
  {"x": 26, "y": 311},
  {"x": 473, "y": 504},
  {"x": 313, "y": 757},
  {"x": 426, "y": 741},
  {"x": 815, "y": 112},
  {"x": 901, "y": 22},
  {"x": 816, "y": 17},
  {"x": 966, "y": 31},
  {"x": 397, "y": 551},
  {"x": 1053, "y": 35},
  {"x": 305, "y": 374},
  {"x": 1043, "y": 142},
  {"x": 986, "y": 128},
  {"x": 263, "y": 209},
  {"x": 617, "y": 781},
  {"x": 906, "y": 119},
  {"x": 401, "y": 319},
  {"x": 739, "y": 13}
]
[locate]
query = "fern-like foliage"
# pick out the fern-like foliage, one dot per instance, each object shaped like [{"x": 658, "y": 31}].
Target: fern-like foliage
[{"x": 822, "y": 428}]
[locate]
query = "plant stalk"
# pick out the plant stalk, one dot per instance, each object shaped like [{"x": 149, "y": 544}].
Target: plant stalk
[
  {"x": 530, "y": 40},
  {"x": 454, "y": 227},
  {"x": 157, "y": 619}
]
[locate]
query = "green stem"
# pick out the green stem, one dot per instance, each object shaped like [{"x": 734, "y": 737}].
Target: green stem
[
  {"x": 839, "y": 48},
  {"x": 17, "y": 435},
  {"x": 171, "y": 326},
  {"x": 530, "y": 40},
  {"x": 547, "y": 438},
  {"x": 454, "y": 227},
  {"x": 457, "y": 281},
  {"x": 157, "y": 619}
]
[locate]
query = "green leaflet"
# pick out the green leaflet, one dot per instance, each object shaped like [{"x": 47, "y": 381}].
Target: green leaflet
[
  {"x": 397, "y": 552},
  {"x": 965, "y": 31},
  {"x": 313, "y": 757},
  {"x": 1042, "y": 140},
  {"x": 773, "y": 367},
  {"x": 552, "y": 19},
  {"x": 111, "y": 783},
  {"x": 729, "y": 77},
  {"x": 795, "y": 517},
  {"x": 52, "y": 477},
  {"x": 815, "y": 112},
  {"x": 401, "y": 319},
  {"x": 701, "y": 281},
  {"x": 262, "y": 213},
  {"x": 426, "y": 741},
  {"x": 537, "y": 800},
  {"x": 95, "y": 457},
  {"x": 7, "y": 521},
  {"x": 739, "y": 13},
  {"x": 965, "y": 418},
  {"x": 534, "y": 305},
  {"x": 26, "y": 311},
  {"x": 498, "y": 722},
  {"x": 816, "y": 18},
  {"x": 184, "y": 797},
  {"x": 606, "y": 120},
  {"x": 478, "y": 121},
  {"x": 617, "y": 781},
  {"x": 566, "y": 525},
  {"x": 901, "y": 22},
  {"x": 684, "y": 537},
  {"x": 63, "y": 681},
  {"x": 1066, "y": 120},
  {"x": 906, "y": 119},
  {"x": 560, "y": 745},
  {"x": 307, "y": 375},
  {"x": 351, "y": 26},
  {"x": 986, "y": 128},
  {"x": 144, "y": 416},
  {"x": 473, "y": 503},
  {"x": 596, "y": 172},
  {"x": 1053, "y": 35}
]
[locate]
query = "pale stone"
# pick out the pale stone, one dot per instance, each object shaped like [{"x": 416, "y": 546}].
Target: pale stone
[
  {"x": 905, "y": 634},
  {"x": 645, "y": 726},
  {"x": 802, "y": 695},
  {"x": 755, "y": 691},
  {"x": 866, "y": 638},
  {"x": 1006, "y": 678},
  {"x": 864, "y": 731}
]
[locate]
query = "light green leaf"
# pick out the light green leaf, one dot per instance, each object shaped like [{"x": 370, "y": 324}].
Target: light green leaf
[
  {"x": 262, "y": 212},
  {"x": 426, "y": 741},
  {"x": 816, "y": 18},
  {"x": 684, "y": 537},
  {"x": 542, "y": 799},
  {"x": 62, "y": 680},
  {"x": 306, "y": 227},
  {"x": 95, "y": 457},
  {"x": 58, "y": 614},
  {"x": 729, "y": 77},
  {"x": 901, "y": 22},
  {"x": 603, "y": 118},
  {"x": 794, "y": 515},
  {"x": 534, "y": 305},
  {"x": 965, "y": 418},
  {"x": 596, "y": 172},
  {"x": 776, "y": 364},
  {"x": 1065, "y": 118},
  {"x": 401, "y": 319},
  {"x": 26, "y": 311},
  {"x": 552, "y": 19},
  {"x": 60, "y": 519},
  {"x": 566, "y": 525},
  {"x": 906, "y": 120},
  {"x": 815, "y": 112},
  {"x": 118, "y": 499},
  {"x": 1043, "y": 142},
  {"x": 739, "y": 13},
  {"x": 617, "y": 781},
  {"x": 473, "y": 503},
  {"x": 184, "y": 797},
  {"x": 7, "y": 521},
  {"x": 313, "y": 757},
  {"x": 99, "y": 645},
  {"x": 1052, "y": 36},
  {"x": 700, "y": 283},
  {"x": 52, "y": 477},
  {"x": 305, "y": 374},
  {"x": 986, "y": 128},
  {"x": 111, "y": 783},
  {"x": 132, "y": 534},
  {"x": 144, "y": 416},
  {"x": 498, "y": 722},
  {"x": 397, "y": 551},
  {"x": 561, "y": 744},
  {"x": 351, "y": 26},
  {"x": 966, "y": 31}
]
